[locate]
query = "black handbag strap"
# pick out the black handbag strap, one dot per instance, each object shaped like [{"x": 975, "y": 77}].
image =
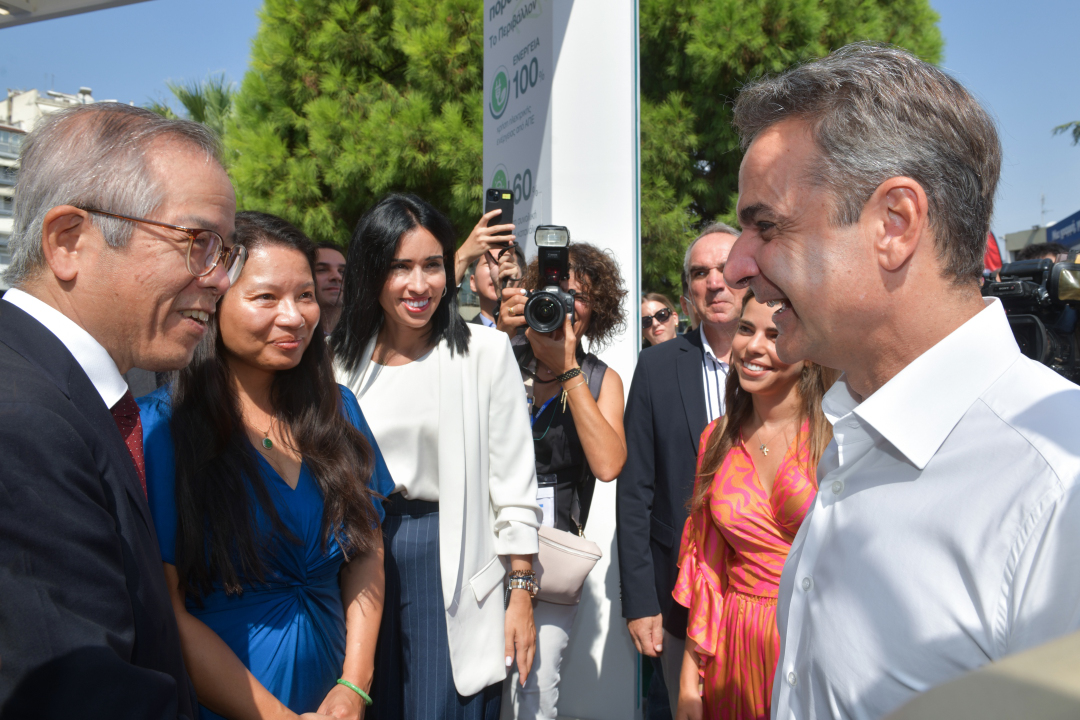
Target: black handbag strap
[{"x": 593, "y": 368}]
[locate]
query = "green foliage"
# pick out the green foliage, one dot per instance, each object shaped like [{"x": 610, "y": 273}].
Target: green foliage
[
  {"x": 1070, "y": 127},
  {"x": 346, "y": 100},
  {"x": 695, "y": 55},
  {"x": 209, "y": 101}
]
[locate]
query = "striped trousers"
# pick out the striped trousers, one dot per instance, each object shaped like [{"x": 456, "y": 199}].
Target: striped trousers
[{"x": 413, "y": 677}]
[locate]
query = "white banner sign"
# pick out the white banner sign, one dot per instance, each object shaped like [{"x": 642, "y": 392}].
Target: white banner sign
[
  {"x": 561, "y": 130},
  {"x": 517, "y": 88}
]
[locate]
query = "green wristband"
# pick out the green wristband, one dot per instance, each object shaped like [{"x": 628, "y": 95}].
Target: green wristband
[{"x": 367, "y": 698}]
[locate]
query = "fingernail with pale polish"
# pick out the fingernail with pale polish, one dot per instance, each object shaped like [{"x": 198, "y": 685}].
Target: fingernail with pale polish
[{"x": 509, "y": 661}]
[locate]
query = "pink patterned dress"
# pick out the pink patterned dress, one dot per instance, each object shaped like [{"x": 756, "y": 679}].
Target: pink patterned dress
[{"x": 733, "y": 549}]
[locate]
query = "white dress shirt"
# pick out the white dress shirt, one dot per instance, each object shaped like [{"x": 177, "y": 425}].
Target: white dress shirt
[
  {"x": 945, "y": 533},
  {"x": 714, "y": 372},
  {"x": 88, "y": 352}
]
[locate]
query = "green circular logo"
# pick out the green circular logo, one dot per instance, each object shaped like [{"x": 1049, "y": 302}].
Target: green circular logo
[
  {"x": 500, "y": 93},
  {"x": 498, "y": 180}
]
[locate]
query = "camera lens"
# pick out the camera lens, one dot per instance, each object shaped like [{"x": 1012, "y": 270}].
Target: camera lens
[{"x": 544, "y": 310}]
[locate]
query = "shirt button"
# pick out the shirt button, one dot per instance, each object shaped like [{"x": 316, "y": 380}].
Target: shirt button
[
  {"x": 791, "y": 679},
  {"x": 807, "y": 583},
  {"x": 837, "y": 487}
]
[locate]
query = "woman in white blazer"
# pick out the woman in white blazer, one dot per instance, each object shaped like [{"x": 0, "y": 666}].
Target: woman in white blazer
[{"x": 448, "y": 410}]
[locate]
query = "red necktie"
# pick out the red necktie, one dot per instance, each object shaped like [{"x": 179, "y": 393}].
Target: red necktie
[{"x": 126, "y": 415}]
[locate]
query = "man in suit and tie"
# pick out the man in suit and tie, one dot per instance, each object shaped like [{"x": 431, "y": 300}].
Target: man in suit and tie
[
  {"x": 678, "y": 388},
  {"x": 121, "y": 246}
]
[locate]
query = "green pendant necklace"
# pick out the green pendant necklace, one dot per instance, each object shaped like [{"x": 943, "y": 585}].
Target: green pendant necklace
[{"x": 267, "y": 442}]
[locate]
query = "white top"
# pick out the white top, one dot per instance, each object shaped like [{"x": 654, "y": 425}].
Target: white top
[
  {"x": 401, "y": 404},
  {"x": 487, "y": 493},
  {"x": 88, "y": 352},
  {"x": 714, "y": 372},
  {"x": 945, "y": 533}
]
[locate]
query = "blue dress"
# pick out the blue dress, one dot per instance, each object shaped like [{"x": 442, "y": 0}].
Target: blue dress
[{"x": 289, "y": 632}]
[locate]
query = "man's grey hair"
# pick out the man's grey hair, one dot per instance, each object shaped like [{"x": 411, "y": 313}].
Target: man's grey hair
[
  {"x": 713, "y": 227},
  {"x": 92, "y": 156},
  {"x": 877, "y": 112}
]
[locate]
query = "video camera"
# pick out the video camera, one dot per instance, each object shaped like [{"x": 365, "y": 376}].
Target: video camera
[
  {"x": 547, "y": 307},
  {"x": 1040, "y": 298}
]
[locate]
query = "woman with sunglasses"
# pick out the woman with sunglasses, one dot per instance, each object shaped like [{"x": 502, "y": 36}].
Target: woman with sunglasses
[
  {"x": 263, "y": 480},
  {"x": 756, "y": 481},
  {"x": 576, "y": 407},
  {"x": 445, "y": 401},
  {"x": 659, "y": 321}
]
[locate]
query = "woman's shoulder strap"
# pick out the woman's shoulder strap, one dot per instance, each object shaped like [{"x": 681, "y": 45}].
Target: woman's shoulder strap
[{"x": 594, "y": 369}]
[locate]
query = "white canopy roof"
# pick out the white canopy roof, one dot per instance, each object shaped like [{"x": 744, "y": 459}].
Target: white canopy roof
[{"x": 19, "y": 12}]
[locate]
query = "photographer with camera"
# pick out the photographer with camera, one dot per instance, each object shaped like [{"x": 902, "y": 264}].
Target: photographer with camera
[{"x": 574, "y": 291}]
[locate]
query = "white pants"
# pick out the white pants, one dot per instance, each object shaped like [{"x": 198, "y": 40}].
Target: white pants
[{"x": 539, "y": 697}]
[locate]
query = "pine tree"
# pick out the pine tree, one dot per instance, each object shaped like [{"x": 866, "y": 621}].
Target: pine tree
[
  {"x": 695, "y": 56},
  {"x": 346, "y": 100}
]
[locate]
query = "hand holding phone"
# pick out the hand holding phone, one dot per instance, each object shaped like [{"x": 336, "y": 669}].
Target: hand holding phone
[
  {"x": 498, "y": 199},
  {"x": 491, "y": 232}
]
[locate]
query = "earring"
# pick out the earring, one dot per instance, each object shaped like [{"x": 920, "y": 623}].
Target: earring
[{"x": 444, "y": 291}]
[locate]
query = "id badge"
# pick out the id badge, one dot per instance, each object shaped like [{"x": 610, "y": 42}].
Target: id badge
[{"x": 545, "y": 498}]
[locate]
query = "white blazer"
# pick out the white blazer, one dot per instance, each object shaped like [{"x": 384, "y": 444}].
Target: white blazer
[{"x": 487, "y": 494}]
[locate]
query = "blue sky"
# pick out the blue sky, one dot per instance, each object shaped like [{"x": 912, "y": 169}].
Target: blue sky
[{"x": 1015, "y": 57}]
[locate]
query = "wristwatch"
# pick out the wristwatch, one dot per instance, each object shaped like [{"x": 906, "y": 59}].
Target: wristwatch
[{"x": 522, "y": 580}]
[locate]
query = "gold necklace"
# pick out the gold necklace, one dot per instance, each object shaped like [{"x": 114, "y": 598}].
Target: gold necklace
[
  {"x": 266, "y": 441},
  {"x": 764, "y": 447}
]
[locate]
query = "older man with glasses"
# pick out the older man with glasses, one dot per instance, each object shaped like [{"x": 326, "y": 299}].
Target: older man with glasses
[{"x": 121, "y": 249}]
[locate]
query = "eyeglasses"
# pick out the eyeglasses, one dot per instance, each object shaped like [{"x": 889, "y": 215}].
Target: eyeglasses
[
  {"x": 662, "y": 316},
  {"x": 204, "y": 251}
]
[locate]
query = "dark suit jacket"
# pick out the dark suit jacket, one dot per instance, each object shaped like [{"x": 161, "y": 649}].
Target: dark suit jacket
[
  {"x": 665, "y": 416},
  {"x": 476, "y": 320},
  {"x": 86, "y": 625}
]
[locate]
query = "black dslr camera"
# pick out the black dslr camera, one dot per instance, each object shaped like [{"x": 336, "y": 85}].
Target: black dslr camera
[
  {"x": 1040, "y": 298},
  {"x": 547, "y": 307}
]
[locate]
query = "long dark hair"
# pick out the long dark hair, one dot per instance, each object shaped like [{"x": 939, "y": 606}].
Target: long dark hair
[
  {"x": 219, "y": 490},
  {"x": 814, "y": 381},
  {"x": 373, "y": 246}
]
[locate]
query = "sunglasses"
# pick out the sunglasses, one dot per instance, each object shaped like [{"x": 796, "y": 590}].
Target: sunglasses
[{"x": 661, "y": 316}]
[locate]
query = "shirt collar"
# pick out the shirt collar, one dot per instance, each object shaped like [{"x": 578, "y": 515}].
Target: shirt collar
[
  {"x": 88, "y": 352},
  {"x": 708, "y": 348},
  {"x": 918, "y": 408}
]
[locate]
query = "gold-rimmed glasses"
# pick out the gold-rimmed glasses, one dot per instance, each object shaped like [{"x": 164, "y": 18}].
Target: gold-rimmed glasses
[{"x": 205, "y": 248}]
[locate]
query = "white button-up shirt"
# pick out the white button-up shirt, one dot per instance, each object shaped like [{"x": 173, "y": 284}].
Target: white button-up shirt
[
  {"x": 714, "y": 372},
  {"x": 92, "y": 357},
  {"x": 945, "y": 532}
]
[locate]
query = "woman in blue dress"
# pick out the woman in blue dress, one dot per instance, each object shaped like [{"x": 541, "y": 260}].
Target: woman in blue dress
[{"x": 263, "y": 479}]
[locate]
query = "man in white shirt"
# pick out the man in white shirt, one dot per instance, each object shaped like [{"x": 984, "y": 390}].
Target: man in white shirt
[
  {"x": 946, "y": 529},
  {"x": 121, "y": 246}
]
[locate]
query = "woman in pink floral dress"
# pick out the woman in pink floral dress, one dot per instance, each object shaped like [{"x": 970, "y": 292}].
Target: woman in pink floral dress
[{"x": 756, "y": 481}]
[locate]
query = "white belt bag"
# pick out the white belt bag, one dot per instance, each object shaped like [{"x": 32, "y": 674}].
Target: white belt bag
[{"x": 563, "y": 563}]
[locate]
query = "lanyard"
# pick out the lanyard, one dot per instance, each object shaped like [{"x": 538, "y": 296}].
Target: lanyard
[{"x": 534, "y": 418}]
